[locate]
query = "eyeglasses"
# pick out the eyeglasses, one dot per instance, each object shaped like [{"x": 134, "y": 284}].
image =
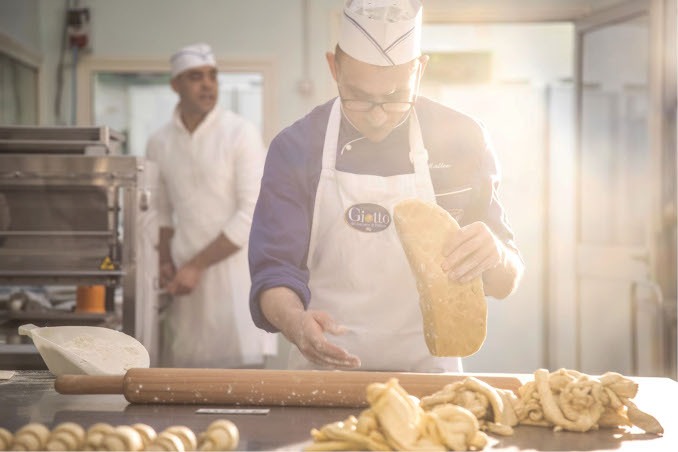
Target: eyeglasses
[
  {"x": 366, "y": 105},
  {"x": 363, "y": 106}
]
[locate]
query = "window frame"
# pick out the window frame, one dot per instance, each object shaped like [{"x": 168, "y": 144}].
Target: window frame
[
  {"x": 18, "y": 51},
  {"x": 89, "y": 67}
]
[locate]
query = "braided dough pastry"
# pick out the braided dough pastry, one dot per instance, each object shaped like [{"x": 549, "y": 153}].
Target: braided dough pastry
[
  {"x": 66, "y": 436},
  {"x": 220, "y": 435},
  {"x": 185, "y": 434},
  {"x": 122, "y": 438},
  {"x": 454, "y": 315},
  {"x": 167, "y": 441},
  {"x": 146, "y": 432},
  {"x": 5, "y": 438},
  {"x": 96, "y": 434},
  {"x": 30, "y": 437}
]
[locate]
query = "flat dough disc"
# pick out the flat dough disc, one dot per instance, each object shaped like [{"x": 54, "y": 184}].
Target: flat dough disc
[
  {"x": 454, "y": 315},
  {"x": 6, "y": 374}
]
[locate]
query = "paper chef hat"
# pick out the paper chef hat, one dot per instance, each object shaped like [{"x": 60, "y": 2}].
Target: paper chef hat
[
  {"x": 381, "y": 32},
  {"x": 188, "y": 57}
]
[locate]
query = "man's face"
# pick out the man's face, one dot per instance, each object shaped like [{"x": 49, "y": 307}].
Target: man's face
[
  {"x": 361, "y": 81},
  {"x": 198, "y": 89}
]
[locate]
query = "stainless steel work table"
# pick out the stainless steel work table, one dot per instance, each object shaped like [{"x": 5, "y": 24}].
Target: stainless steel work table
[{"x": 30, "y": 397}]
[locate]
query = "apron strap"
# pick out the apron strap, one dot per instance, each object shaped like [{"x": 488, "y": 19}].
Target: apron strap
[
  {"x": 419, "y": 159},
  {"x": 332, "y": 136}
]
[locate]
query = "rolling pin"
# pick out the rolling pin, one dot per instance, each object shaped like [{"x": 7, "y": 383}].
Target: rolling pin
[{"x": 258, "y": 387}]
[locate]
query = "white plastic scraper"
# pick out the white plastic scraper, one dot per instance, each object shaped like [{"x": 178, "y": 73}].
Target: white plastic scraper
[{"x": 86, "y": 349}]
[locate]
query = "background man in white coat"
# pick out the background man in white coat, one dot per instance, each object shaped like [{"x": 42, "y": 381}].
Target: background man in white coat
[{"x": 210, "y": 163}]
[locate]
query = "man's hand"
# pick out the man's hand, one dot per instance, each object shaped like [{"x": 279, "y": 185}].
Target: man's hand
[
  {"x": 471, "y": 251},
  {"x": 185, "y": 279},
  {"x": 188, "y": 276},
  {"x": 167, "y": 273},
  {"x": 306, "y": 332},
  {"x": 283, "y": 308}
]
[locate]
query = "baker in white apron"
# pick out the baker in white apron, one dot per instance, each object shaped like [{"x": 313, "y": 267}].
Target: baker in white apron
[
  {"x": 327, "y": 267},
  {"x": 367, "y": 274}
]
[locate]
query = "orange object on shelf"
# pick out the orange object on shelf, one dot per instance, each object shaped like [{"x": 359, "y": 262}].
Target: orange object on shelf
[{"x": 90, "y": 299}]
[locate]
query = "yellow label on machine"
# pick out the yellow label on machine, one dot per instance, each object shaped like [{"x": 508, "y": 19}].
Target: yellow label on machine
[{"x": 107, "y": 264}]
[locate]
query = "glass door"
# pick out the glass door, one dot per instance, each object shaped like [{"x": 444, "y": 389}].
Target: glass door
[{"x": 619, "y": 304}]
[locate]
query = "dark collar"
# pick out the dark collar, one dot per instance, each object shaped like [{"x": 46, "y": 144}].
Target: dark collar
[{"x": 349, "y": 135}]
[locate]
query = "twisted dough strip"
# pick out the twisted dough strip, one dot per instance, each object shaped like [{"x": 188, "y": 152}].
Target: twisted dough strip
[
  {"x": 456, "y": 427},
  {"x": 494, "y": 408}
]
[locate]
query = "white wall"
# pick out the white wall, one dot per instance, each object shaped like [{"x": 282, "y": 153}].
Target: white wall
[
  {"x": 261, "y": 28},
  {"x": 50, "y": 20},
  {"x": 154, "y": 29},
  {"x": 19, "y": 21},
  {"x": 533, "y": 53}
]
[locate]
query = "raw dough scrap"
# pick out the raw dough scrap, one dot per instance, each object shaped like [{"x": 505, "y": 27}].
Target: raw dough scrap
[
  {"x": 494, "y": 408},
  {"x": 395, "y": 421},
  {"x": 570, "y": 400},
  {"x": 6, "y": 374},
  {"x": 454, "y": 315}
]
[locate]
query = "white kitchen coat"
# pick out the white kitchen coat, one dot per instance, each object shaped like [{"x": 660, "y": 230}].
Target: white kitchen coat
[
  {"x": 209, "y": 184},
  {"x": 362, "y": 278}
]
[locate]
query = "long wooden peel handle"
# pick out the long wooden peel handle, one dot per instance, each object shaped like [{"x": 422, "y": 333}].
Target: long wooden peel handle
[{"x": 88, "y": 384}]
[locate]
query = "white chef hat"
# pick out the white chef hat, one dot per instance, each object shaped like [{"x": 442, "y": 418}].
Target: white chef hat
[
  {"x": 192, "y": 56},
  {"x": 381, "y": 32}
]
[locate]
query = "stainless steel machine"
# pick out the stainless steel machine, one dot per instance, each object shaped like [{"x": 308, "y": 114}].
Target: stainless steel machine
[{"x": 73, "y": 211}]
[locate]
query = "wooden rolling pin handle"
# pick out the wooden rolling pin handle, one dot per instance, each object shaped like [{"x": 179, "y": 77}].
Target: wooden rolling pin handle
[{"x": 88, "y": 384}]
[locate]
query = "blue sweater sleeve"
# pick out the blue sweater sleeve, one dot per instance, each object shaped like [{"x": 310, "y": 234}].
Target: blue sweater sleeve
[{"x": 281, "y": 225}]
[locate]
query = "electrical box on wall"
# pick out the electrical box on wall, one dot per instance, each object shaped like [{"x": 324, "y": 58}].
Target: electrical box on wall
[{"x": 78, "y": 28}]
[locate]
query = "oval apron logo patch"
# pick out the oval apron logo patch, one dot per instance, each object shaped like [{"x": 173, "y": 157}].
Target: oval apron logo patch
[{"x": 367, "y": 217}]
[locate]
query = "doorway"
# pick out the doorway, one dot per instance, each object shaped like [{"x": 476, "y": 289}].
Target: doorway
[{"x": 588, "y": 180}]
